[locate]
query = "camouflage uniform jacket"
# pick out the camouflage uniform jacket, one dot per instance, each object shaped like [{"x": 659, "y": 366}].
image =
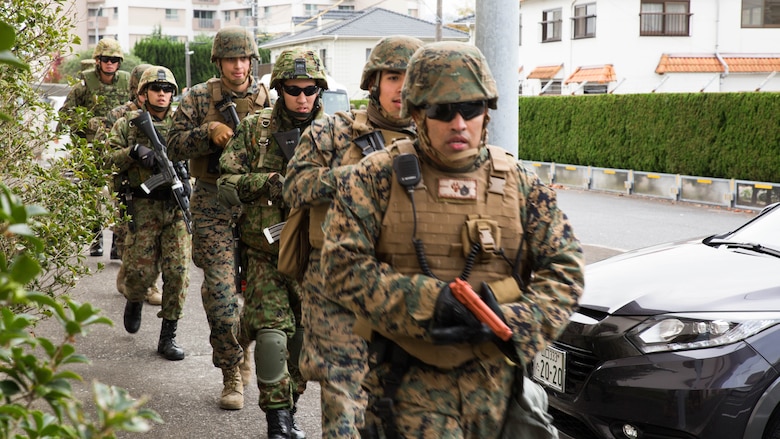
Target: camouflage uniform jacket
[
  {"x": 189, "y": 137},
  {"x": 403, "y": 305},
  {"x": 117, "y": 112},
  {"x": 122, "y": 139},
  {"x": 257, "y": 160},
  {"x": 310, "y": 182},
  {"x": 97, "y": 97}
]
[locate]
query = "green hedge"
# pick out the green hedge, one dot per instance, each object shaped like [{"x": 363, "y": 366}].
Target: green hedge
[{"x": 721, "y": 135}]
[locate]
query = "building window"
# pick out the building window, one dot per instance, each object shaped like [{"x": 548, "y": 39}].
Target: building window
[
  {"x": 172, "y": 14},
  {"x": 551, "y": 25},
  {"x": 760, "y": 13},
  {"x": 205, "y": 19},
  {"x": 324, "y": 58},
  {"x": 665, "y": 18},
  {"x": 266, "y": 11},
  {"x": 551, "y": 87},
  {"x": 346, "y": 8},
  {"x": 595, "y": 89},
  {"x": 584, "y": 21},
  {"x": 227, "y": 16},
  {"x": 310, "y": 9}
]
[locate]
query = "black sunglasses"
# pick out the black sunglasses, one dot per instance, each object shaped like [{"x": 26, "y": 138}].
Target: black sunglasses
[
  {"x": 295, "y": 91},
  {"x": 446, "y": 112},
  {"x": 166, "y": 88},
  {"x": 111, "y": 59}
]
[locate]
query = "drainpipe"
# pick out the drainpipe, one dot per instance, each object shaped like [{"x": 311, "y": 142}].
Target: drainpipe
[{"x": 717, "y": 45}]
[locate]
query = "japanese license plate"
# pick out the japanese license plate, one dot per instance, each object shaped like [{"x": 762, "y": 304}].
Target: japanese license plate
[{"x": 550, "y": 368}]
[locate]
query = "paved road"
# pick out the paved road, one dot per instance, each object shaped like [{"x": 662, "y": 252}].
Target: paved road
[{"x": 185, "y": 393}]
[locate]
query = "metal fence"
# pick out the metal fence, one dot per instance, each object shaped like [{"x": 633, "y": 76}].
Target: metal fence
[{"x": 705, "y": 190}]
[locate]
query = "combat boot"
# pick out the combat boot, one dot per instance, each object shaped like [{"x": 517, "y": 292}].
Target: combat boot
[
  {"x": 133, "y": 312},
  {"x": 279, "y": 424},
  {"x": 114, "y": 250},
  {"x": 246, "y": 366},
  {"x": 153, "y": 296},
  {"x": 167, "y": 346},
  {"x": 120, "y": 280},
  {"x": 295, "y": 430},
  {"x": 233, "y": 391}
]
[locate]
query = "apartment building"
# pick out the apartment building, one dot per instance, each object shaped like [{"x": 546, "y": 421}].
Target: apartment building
[
  {"x": 130, "y": 22},
  {"x": 649, "y": 46}
]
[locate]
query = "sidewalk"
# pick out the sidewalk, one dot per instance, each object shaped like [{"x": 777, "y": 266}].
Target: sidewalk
[{"x": 185, "y": 393}]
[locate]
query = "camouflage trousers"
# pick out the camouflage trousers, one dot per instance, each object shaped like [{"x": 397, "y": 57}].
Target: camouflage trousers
[
  {"x": 271, "y": 302},
  {"x": 333, "y": 356},
  {"x": 469, "y": 401},
  {"x": 213, "y": 252},
  {"x": 160, "y": 242}
]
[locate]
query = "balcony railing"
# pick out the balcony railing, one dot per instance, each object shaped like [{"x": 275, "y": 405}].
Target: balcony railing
[
  {"x": 664, "y": 24},
  {"x": 205, "y": 24}
]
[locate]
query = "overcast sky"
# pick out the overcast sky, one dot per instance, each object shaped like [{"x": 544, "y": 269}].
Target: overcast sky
[{"x": 449, "y": 8}]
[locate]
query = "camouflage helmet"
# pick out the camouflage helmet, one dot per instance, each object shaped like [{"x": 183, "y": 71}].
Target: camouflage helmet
[
  {"x": 390, "y": 53},
  {"x": 298, "y": 63},
  {"x": 108, "y": 47},
  {"x": 158, "y": 74},
  {"x": 447, "y": 72},
  {"x": 233, "y": 42},
  {"x": 87, "y": 64},
  {"x": 135, "y": 78}
]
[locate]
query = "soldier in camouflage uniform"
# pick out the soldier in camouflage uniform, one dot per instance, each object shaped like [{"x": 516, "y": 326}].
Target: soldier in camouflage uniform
[
  {"x": 136, "y": 102},
  {"x": 100, "y": 90},
  {"x": 157, "y": 237},
  {"x": 200, "y": 133},
  {"x": 332, "y": 354},
  {"x": 408, "y": 220},
  {"x": 253, "y": 168}
]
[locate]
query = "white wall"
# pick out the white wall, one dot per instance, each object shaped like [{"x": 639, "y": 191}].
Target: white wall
[{"x": 714, "y": 26}]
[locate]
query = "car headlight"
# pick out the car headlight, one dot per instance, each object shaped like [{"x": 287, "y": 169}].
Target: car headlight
[{"x": 677, "y": 332}]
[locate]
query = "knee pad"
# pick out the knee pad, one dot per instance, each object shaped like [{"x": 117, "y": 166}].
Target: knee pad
[
  {"x": 295, "y": 346},
  {"x": 271, "y": 356}
]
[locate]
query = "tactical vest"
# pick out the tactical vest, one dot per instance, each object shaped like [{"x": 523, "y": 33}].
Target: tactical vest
[
  {"x": 138, "y": 174},
  {"x": 204, "y": 167},
  {"x": 105, "y": 97},
  {"x": 262, "y": 212},
  {"x": 442, "y": 226},
  {"x": 354, "y": 154}
]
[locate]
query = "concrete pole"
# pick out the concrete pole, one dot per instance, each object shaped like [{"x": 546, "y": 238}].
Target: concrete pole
[
  {"x": 187, "y": 71},
  {"x": 498, "y": 37}
]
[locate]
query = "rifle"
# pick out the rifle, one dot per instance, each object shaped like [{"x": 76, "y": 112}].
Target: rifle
[
  {"x": 126, "y": 200},
  {"x": 238, "y": 271},
  {"x": 370, "y": 142},
  {"x": 167, "y": 174},
  {"x": 227, "y": 108},
  {"x": 287, "y": 141}
]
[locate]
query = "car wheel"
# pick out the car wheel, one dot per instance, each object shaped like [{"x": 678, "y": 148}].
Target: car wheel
[{"x": 773, "y": 427}]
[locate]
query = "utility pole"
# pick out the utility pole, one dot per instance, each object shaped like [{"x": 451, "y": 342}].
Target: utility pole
[
  {"x": 439, "y": 20},
  {"x": 498, "y": 37},
  {"x": 97, "y": 29},
  {"x": 187, "y": 53}
]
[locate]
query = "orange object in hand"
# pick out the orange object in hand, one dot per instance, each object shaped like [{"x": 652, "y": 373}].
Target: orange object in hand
[{"x": 471, "y": 300}]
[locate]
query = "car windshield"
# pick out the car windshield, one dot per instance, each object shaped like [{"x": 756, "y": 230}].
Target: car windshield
[{"x": 762, "y": 231}]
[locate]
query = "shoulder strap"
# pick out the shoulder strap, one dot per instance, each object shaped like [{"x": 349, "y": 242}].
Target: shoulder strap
[{"x": 264, "y": 126}]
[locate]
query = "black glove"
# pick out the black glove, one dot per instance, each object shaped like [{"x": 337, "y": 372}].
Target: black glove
[
  {"x": 506, "y": 347},
  {"x": 275, "y": 184},
  {"x": 454, "y": 323},
  {"x": 143, "y": 155}
]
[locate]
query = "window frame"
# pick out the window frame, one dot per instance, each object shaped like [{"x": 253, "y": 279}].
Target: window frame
[
  {"x": 580, "y": 22},
  {"x": 552, "y": 23},
  {"x": 663, "y": 19},
  {"x": 757, "y": 13}
]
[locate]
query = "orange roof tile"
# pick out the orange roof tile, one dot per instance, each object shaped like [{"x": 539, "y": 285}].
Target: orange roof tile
[
  {"x": 545, "y": 72},
  {"x": 598, "y": 74},
  {"x": 709, "y": 63}
]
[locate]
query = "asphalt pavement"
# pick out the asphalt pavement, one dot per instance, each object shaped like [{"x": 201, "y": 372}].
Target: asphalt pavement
[{"x": 185, "y": 393}]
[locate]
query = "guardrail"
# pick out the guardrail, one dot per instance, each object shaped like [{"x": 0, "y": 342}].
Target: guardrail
[{"x": 724, "y": 192}]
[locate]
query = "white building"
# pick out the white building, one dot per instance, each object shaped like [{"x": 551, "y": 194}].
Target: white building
[
  {"x": 131, "y": 21},
  {"x": 644, "y": 46}
]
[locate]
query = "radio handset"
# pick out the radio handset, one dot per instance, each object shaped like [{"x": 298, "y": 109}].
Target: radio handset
[{"x": 407, "y": 171}]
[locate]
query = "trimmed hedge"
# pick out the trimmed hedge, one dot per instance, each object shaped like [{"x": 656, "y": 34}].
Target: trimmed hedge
[{"x": 721, "y": 135}]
